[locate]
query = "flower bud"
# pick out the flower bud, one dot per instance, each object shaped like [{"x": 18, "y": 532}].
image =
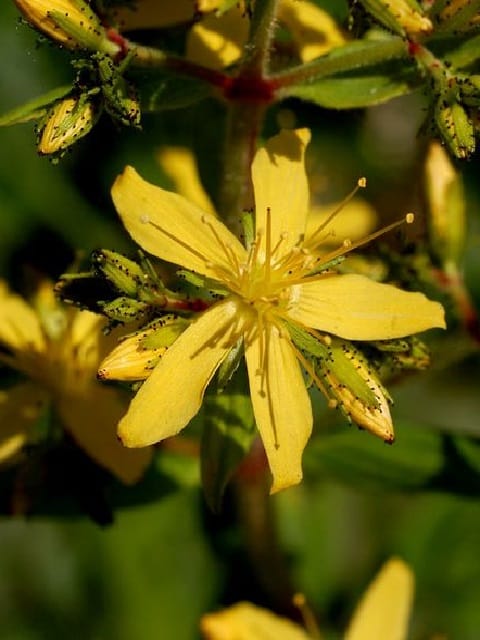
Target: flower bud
[
  {"x": 71, "y": 23},
  {"x": 405, "y": 17},
  {"x": 353, "y": 385},
  {"x": 124, "y": 309},
  {"x": 445, "y": 206},
  {"x": 137, "y": 354},
  {"x": 66, "y": 122},
  {"x": 125, "y": 275},
  {"x": 455, "y": 126}
]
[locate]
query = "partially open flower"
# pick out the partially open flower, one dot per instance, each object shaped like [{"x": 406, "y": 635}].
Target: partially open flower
[{"x": 71, "y": 23}]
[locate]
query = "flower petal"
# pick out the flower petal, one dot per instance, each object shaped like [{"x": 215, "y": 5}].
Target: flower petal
[
  {"x": 281, "y": 405},
  {"x": 173, "y": 393},
  {"x": 20, "y": 407},
  {"x": 168, "y": 226},
  {"x": 384, "y": 611},
  {"x": 313, "y": 29},
  {"x": 356, "y": 308},
  {"x": 217, "y": 41},
  {"x": 91, "y": 418},
  {"x": 19, "y": 325},
  {"x": 180, "y": 165},
  {"x": 281, "y": 187},
  {"x": 245, "y": 621}
]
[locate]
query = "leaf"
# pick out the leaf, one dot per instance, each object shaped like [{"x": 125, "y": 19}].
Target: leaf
[
  {"x": 33, "y": 109},
  {"x": 163, "y": 91},
  {"x": 355, "y": 90},
  {"x": 228, "y": 433}
]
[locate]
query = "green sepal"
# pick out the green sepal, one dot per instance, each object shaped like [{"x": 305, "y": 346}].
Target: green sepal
[
  {"x": 455, "y": 127},
  {"x": 227, "y": 436},
  {"x": 456, "y": 21},
  {"x": 90, "y": 35},
  {"x": 124, "y": 274},
  {"x": 163, "y": 332},
  {"x": 205, "y": 288},
  {"x": 162, "y": 91},
  {"x": 34, "y": 109},
  {"x": 124, "y": 309},
  {"x": 229, "y": 365},
  {"x": 121, "y": 101}
]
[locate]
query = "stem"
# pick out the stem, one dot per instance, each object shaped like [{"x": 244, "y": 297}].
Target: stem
[
  {"x": 244, "y": 120},
  {"x": 347, "y": 58},
  {"x": 256, "y": 515},
  {"x": 260, "y": 37}
]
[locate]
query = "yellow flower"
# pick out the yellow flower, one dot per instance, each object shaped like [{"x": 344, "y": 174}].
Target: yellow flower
[
  {"x": 383, "y": 614},
  {"x": 273, "y": 282},
  {"x": 58, "y": 351},
  {"x": 71, "y": 23},
  {"x": 218, "y": 39}
]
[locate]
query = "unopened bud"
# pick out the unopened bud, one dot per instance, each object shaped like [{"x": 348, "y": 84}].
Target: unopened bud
[
  {"x": 402, "y": 16},
  {"x": 445, "y": 206},
  {"x": 125, "y": 275},
  {"x": 124, "y": 309},
  {"x": 138, "y": 354},
  {"x": 456, "y": 127},
  {"x": 72, "y": 23},
  {"x": 66, "y": 122}
]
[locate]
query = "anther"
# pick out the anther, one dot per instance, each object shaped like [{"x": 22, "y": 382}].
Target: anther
[
  {"x": 409, "y": 218},
  {"x": 362, "y": 182},
  {"x": 144, "y": 219}
]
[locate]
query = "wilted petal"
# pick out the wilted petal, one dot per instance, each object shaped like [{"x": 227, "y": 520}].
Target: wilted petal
[
  {"x": 92, "y": 420},
  {"x": 356, "y": 308},
  {"x": 384, "y": 611},
  {"x": 282, "y": 408},
  {"x": 281, "y": 187},
  {"x": 173, "y": 393},
  {"x": 245, "y": 621},
  {"x": 170, "y": 227}
]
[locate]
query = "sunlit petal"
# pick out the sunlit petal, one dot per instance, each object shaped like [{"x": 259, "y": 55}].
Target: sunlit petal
[
  {"x": 313, "y": 30},
  {"x": 217, "y": 41},
  {"x": 170, "y": 227},
  {"x": 173, "y": 393},
  {"x": 354, "y": 221},
  {"x": 384, "y": 611},
  {"x": 92, "y": 421},
  {"x": 281, "y": 187},
  {"x": 180, "y": 166},
  {"x": 245, "y": 621},
  {"x": 281, "y": 405},
  {"x": 354, "y": 307}
]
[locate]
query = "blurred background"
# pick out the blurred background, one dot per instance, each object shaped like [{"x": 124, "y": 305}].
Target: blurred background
[{"x": 167, "y": 559}]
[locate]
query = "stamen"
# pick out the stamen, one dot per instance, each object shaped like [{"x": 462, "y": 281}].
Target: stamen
[
  {"x": 268, "y": 245},
  {"x": 361, "y": 184},
  {"x": 309, "y": 620},
  {"x": 229, "y": 253}
]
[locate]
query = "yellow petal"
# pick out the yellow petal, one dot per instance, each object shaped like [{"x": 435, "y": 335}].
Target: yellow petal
[
  {"x": 245, "y": 621},
  {"x": 281, "y": 187},
  {"x": 217, "y": 41},
  {"x": 356, "y": 308},
  {"x": 313, "y": 30},
  {"x": 354, "y": 221},
  {"x": 92, "y": 419},
  {"x": 384, "y": 611},
  {"x": 20, "y": 407},
  {"x": 173, "y": 393},
  {"x": 19, "y": 324},
  {"x": 180, "y": 166},
  {"x": 168, "y": 226},
  {"x": 281, "y": 405}
]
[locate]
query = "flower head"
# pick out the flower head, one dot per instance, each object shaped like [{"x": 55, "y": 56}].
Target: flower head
[
  {"x": 58, "y": 351},
  {"x": 382, "y": 614},
  {"x": 275, "y": 281}
]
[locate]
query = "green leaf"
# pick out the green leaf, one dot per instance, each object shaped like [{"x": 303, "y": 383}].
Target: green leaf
[
  {"x": 359, "y": 459},
  {"x": 34, "y": 109},
  {"x": 355, "y": 90},
  {"x": 163, "y": 91},
  {"x": 228, "y": 432}
]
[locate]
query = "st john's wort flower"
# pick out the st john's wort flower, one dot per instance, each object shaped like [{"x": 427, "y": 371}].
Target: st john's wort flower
[{"x": 280, "y": 279}]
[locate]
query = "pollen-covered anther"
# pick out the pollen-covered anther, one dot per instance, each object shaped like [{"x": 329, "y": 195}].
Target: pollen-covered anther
[
  {"x": 362, "y": 182},
  {"x": 409, "y": 218}
]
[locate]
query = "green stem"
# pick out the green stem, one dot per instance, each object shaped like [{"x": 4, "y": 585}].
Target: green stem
[
  {"x": 351, "y": 56},
  {"x": 244, "y": 121},
  {"x": 258, "y": 46}
]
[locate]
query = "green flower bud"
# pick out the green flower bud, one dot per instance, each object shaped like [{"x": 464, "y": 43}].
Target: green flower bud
[
  {"x": 66, "y": 122},
  {"x": 405, "y": 17},
  {"x": 125, "y": 275},
  {"x": 124, "y": 309},
  {"x": 71, "y": 23},
  {"x": 455, "y": 126}
]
